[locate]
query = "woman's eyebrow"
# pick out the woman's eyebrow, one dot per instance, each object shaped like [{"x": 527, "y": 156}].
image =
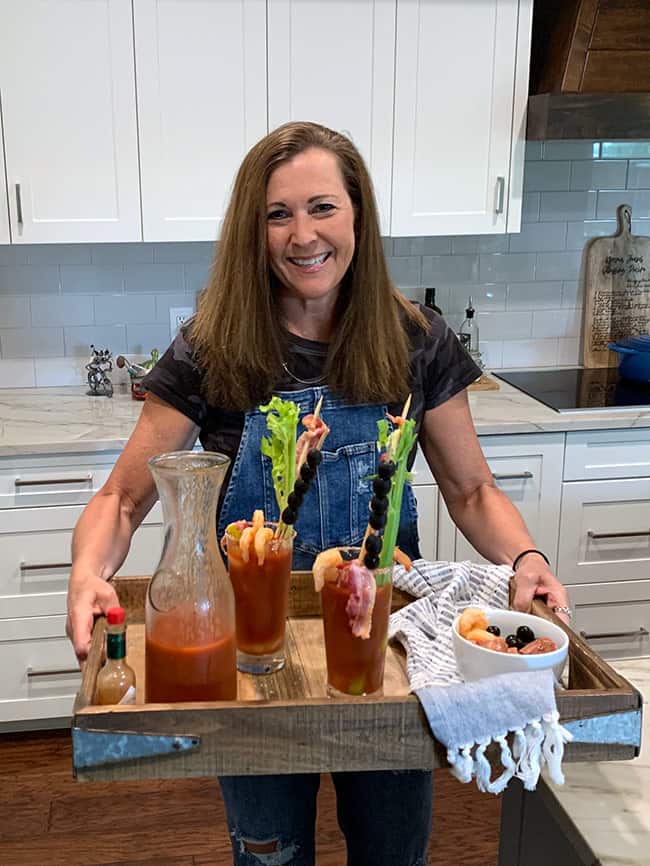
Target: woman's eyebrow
[{"x": 329, "y": 195}]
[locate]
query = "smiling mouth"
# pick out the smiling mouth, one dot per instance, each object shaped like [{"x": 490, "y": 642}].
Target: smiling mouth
[{"x": 310, "y": 262}]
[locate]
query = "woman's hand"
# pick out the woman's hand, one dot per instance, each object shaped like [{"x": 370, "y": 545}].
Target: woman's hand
[
  {"x": 88, "y": 597},
  {"x": 534, "y": 578}
]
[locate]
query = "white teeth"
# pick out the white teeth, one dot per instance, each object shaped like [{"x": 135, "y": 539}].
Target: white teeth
[{"x": 306, "y": 263}]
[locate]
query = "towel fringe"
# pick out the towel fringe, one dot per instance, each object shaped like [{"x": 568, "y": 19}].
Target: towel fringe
[{"x": 555, "y": 736}]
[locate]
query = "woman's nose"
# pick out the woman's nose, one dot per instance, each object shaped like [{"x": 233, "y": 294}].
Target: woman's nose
[{"x": 303, "y": 230}]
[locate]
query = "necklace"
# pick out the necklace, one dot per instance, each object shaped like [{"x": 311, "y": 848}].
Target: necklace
[{"x": 315, "y": 381}]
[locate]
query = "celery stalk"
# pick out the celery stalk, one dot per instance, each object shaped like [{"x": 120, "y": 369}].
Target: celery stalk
[
  {"x": 280, "y": 446},
  {"x": 398, "y": 446}
]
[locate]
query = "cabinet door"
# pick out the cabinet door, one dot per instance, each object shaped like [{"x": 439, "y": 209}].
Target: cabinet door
[
  {"x": 201, "y": 78},
  {"x": 332, "y": 61},
  {"x": 454, "y": 100},
  {"x": 4, "y": 204},
  {"x": 528, "y": 469},
  {"x": 605, "y": 531},
  {"x": 68, "y": 104}
]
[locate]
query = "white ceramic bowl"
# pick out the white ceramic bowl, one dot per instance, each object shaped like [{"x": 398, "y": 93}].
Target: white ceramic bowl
[{"x": 475, "y": 662}]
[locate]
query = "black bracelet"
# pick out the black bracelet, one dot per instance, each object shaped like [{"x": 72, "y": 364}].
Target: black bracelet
[{"x": 515, "y": 561}]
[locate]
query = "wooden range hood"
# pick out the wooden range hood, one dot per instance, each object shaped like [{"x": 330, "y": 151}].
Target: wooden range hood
[{"x": 590, "y": 70}]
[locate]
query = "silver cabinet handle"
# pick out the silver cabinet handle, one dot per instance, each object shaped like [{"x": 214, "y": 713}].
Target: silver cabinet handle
[
  {"x": 501, "y": 191},
  {"x": 43, "y": 566},
  {"x": 35, "y": 482},
  {"x": 51, "y": 672},
  {"x": 642, "y": 533},
  {"x": 513, "y": 476},
  {"x": 19, "y": 206},
  {"x": 640, "y": 632}
]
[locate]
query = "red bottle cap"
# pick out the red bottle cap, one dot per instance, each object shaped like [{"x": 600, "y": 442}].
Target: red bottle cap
[{"x": 115, "y": 615}]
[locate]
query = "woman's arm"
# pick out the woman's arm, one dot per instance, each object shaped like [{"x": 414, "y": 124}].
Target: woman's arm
[
  {"x": 485, "y": 515},
  {"x": 102, "y": 536}
]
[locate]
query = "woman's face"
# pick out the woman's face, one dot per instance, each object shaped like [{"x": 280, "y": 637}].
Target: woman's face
[{"x": 310, "y": 225}]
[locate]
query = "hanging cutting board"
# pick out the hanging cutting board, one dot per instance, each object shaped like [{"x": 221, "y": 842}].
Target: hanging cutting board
[{"x": 617, "y": 291}]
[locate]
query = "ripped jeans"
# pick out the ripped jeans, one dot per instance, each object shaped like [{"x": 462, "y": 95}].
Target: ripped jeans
[{"x": 385, "y": 817}]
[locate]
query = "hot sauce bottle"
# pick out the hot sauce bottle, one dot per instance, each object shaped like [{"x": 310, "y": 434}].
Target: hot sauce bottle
[{"x": 116, "y": 680}]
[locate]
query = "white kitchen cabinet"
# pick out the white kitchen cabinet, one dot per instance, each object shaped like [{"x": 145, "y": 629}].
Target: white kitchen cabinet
[
  {"x": 41, "y": 499},
  {"x": 605, "y": 531},
  {"x": 426, "y": 496},
  {"x": 528, "y": 469},
  {"x": 460, "y": 97},
  {"x": 332, "y": 61},
  {"x": 614, "y": 618},
  {"x": 201, "y": 81},
  {"x": 5, "y": 237},
  {"x": 68, "y": 103}
]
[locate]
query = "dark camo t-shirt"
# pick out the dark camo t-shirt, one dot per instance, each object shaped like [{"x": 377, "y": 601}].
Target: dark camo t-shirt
[{"x": 440, "y": 368}]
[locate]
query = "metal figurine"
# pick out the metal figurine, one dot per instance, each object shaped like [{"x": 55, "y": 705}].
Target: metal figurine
[{"x": 98, "y": 368}]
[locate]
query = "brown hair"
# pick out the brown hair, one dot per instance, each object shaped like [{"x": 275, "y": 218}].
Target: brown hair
[{"x": 237, "y": 331}]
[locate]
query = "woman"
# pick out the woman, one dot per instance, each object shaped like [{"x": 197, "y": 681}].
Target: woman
[{"x": 300, "y": 301}]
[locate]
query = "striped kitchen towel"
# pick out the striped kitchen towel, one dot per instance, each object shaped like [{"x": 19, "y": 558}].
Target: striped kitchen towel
[{"x": 467, "y": 717}]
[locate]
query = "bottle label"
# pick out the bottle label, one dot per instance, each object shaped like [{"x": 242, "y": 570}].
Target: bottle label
[{"x": 129, "y": 696}]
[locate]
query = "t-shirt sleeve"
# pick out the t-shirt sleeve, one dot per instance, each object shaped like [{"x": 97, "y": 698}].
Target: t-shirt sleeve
[
  {"x": 445, "y": 366},
  {"x": 177, "y": 380}
]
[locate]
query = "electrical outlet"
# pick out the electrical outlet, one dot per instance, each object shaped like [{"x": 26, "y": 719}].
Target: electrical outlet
[{"x": 177, "y": 315}]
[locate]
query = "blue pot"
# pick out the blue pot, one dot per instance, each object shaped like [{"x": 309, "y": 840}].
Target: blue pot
[{"x": 634, "y": 362}]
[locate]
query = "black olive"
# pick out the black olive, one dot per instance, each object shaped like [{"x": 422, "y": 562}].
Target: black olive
[
  {"x": 513, "y": 640},
  {"x": 381, "y": 486},
  {"x": 289, "y": 516},
  {"x": 373, "y": 544},
  {"x": 377, "y": 521},
  {"x": 371, "y": 561},
  {"x": 300, "y": 487},
  {"x": 306, "y": 472},
  {"x": 347, "y": 555},
  {"x": 294, "y": 500},
  {"x": 525, "y": 634},
  {"x": 386, "y": 469},
  {"x": 314, "y": 458},
  {"x": 494, "y": 629},
  {"x": 379, "y": 504}
]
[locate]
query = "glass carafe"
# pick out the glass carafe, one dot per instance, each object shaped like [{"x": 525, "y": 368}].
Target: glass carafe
[{"x": 190, "y": 607}]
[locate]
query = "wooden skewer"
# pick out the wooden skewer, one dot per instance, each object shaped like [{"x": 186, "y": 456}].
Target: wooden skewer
[{"x": 407, "y": 406}]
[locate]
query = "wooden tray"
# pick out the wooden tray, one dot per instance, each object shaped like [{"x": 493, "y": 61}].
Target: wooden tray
[{"x": 285, "y": 723}]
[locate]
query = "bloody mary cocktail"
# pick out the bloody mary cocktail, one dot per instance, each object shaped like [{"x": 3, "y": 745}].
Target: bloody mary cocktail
[
  {"x": 260, "y": 576},
  {"x": 184, "y": 661},
  {"x": 355, "y": 622}
]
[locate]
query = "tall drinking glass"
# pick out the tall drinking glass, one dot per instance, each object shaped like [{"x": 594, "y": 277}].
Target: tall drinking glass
[
  {"x": 355, "y": 665},
  {"x": 260, "y": 581}
]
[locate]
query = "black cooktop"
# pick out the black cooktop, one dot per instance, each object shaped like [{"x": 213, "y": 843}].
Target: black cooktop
[{"x": 577, "y": 389}]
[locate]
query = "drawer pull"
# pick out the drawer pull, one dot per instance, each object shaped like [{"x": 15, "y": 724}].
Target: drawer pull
[
  {"x": 642, "y": 533},
  {"x": 35, "y": 482},
  {"x": 512, "y": 476},
  {"x": 50, "y": 672},
  {"x": 41, "y": 566},
  {"x": 640, "y": 632}
]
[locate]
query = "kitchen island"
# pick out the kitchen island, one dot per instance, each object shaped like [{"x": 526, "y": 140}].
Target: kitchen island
[{"x": 599, "y": 817}]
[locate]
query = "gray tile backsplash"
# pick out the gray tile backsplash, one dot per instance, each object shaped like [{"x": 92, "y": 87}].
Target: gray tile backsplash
[{"x": 56, "y": 299}]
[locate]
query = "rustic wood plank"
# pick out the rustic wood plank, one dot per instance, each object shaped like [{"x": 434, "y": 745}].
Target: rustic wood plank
[
  {"x": 91, "y": 667},
  {"x": 622, "y": 24},
  {"x": 572, "y": 77},
  {"x": 585, "y": 115},
  {"x": 616, "y": 72}
]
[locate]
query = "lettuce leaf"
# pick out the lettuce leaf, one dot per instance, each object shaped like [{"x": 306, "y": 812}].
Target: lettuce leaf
[{"x": 280, "y": 445}]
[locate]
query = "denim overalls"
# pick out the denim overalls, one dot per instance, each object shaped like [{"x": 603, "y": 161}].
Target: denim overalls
[
  {"x": 385, "y": 816},
  {"x": 335, "y": 509}
]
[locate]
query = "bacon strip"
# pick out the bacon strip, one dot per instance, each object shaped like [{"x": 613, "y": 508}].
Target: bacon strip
[
  {"x": 312, "y": 438},
  {"x": 361, "y": 602}
]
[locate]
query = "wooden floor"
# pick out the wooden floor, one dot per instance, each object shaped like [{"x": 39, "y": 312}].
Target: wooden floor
[{"x": 47, "y": 819}]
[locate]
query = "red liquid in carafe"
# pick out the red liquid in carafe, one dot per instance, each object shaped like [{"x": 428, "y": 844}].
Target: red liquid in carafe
[{"x": 176, "y": 670}]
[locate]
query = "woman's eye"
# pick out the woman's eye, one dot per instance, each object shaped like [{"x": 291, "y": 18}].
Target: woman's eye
[
  {"x": 324, "y": 207},
  {"x": 277, "y": 215}
]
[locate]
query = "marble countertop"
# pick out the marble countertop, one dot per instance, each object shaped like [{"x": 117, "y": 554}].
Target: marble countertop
[
  {"x": 66, "y": 420},
  {"x": 609, "y": 801}
]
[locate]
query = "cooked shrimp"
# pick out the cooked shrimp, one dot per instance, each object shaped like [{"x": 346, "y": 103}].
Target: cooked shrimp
[
  {"x": 258, "y": 519},
  {"x": 402, "y": 559},
  {"x": 478, "y": 634},
  {"x": 263, "y": 534},
  {"x": 245, "y": 542},
  {"x": 471, "y": 617},
  {"x": 325, "y": 567}
]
